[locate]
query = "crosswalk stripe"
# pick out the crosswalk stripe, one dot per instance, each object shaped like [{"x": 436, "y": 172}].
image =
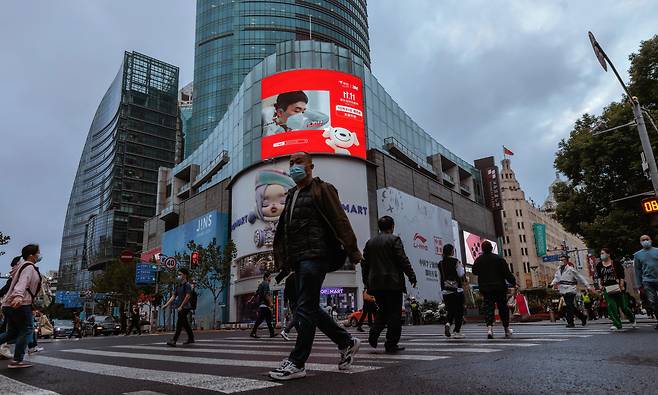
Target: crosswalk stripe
[
  {"x": 13, "y": 387},
  {"x": 240, "y": 344},
  {"x": 223, "y": 384},
  {"x": 284, "y": 353},
  {"x": 218, "y": 361}
]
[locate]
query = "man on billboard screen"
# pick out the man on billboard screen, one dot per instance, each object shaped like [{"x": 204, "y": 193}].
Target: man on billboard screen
[{"x": 313, "y": 111}]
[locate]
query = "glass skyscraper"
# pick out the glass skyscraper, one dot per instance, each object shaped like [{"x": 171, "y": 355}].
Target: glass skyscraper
[
  {"x": 132, "y": 134},
  {"x": 234, "y": 36}
]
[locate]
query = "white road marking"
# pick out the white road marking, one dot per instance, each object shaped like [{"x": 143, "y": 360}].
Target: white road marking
[
  {"x": 283, "y": 353},
  {"x": 144, "y": 392},
  {"x": 14, "y": 387},
  {"x": 201, "y": 381},
  {"x": 288, "y": 346},
  {"x": 223, "y": 362}
]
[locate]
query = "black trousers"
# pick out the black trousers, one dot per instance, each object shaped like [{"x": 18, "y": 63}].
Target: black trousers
[
  {"x": 264, "y": 314},
  {"x": 134, "y": 324},
  {"x": 388, "y": 316},
  {"x": 491, "y": 299},
  {"x": 183, "y": 322},
  {"x": 455, "y": 306},
  {"x": 369, "y": 310},
  {"x": 570, "y": 308}
]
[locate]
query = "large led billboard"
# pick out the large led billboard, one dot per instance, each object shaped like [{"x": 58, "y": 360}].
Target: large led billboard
[
  {"x": 318, "y": 111},
  {"x": 258, "y": 197},
  {"x": 424, "y": 229},
  {"x": 473, "y": 244}
]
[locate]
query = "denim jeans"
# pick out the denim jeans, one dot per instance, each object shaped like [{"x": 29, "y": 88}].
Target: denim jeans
[
  {"x": 651, "y": 290},
  {"x": 18, "y": 328},
  {"x": 309, "y": 315}
]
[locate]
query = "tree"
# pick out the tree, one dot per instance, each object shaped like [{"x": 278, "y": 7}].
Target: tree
[
  {"x": 213, "y": 268},
  {"x": 118, "y": 281},
  {"x": 608, "y": 166},
  {"x": 4, "y": 240}
]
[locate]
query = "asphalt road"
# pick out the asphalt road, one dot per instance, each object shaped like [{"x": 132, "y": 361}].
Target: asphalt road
[{"x": 541, "y": 358}]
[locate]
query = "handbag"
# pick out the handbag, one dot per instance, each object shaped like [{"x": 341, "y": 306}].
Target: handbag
[{"x": 612, "y": 289}]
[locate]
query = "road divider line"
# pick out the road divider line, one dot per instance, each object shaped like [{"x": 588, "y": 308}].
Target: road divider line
[
  {"x": 209, "y": 382},
  {"x": 218, "y": 361}
]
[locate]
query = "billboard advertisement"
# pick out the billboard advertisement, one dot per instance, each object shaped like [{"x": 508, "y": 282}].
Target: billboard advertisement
[
  {"x": 473, "y": 246},
  {"x": 539, "y": 231},
  {"x": 202, "y": 230},
  {"x": 424, "y": 229},
  {"x": 258, "y": 198},
  {"x": 317, "y": 111}
]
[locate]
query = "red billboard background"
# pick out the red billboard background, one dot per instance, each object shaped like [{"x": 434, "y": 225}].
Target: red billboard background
[{"x": 345, "y": 132}]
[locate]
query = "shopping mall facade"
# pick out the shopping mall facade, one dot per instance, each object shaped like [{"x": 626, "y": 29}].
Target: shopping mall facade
[{"x": 320, "y": 98}]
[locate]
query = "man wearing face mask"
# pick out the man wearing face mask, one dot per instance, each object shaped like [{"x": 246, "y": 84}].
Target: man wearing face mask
[
  {"x": 181, "y": 300},
  {"x": 17, "y": 304},
  {"x": 565, "y": 281},
  {"x": 313, "y": 237},
  {"x": 646, "y": 271}
]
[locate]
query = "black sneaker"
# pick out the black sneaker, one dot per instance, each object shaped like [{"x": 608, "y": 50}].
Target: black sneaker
[
  {"x": 347, "y": 354},
  {"x": 447, "y": 330},
  {"x": 189, "y": 342},
  {"x": 571, "y": 325},
  {"x": 358, "y": 328},
  {"x": 394, "y": 349},
  {"x": 583, "y": 321},
  {"x": 255, "y": 336},
  {"x": 171, "y": 343},
  {"x": 490, "y": 336},
  {"x": 373, "y": 340}
]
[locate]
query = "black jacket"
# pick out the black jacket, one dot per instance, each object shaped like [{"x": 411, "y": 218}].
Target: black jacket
[
  {"x": 492, "y": 272},
  {"x": 385, "y": 264}
]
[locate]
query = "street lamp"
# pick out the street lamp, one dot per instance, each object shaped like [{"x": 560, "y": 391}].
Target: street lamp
[{"x": 637, "y": 113}]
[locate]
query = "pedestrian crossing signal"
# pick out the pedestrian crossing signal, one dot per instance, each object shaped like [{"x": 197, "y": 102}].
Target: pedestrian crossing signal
[{"x": 650, "y": 205}]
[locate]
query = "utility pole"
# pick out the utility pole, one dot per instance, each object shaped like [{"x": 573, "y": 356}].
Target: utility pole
[{"x": 637, "y": 113}]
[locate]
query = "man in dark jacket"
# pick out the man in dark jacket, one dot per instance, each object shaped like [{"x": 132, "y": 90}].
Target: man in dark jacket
[
  {"x": 493, "y": 276},
  {"x": 384, "y": 266},
  {"x": 313, "y": 237}
]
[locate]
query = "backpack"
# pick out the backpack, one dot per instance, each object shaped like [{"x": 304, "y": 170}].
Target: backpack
[
  {"x": 18, "y": 275},
  {"x": 193, "y": 298}
]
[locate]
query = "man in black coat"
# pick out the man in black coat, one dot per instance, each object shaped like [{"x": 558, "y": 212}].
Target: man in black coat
[
  {"x": 383, "y": 267},
  {"x": 494, "y": 276}
]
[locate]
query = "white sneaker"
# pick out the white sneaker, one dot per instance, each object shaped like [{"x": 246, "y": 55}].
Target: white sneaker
[
  {"x": 5, "y": 352},
  {"x": 634, "y": 325},
  {"x": 35, "y": 350},
  {"x": 347, "y": 354},
  {"x": 287, "y": 371},
  {"x": 614, "y": 328},
  {"x": 285, "y": 336},
  {"x": 458, "y": 335},
  {"x": 508, "y": 333}
]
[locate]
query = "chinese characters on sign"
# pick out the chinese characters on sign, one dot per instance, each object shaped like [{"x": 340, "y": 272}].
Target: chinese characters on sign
[{"x": 492, "y": 189}]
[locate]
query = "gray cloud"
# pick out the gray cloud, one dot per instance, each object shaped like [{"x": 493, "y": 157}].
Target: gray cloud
[{"x": 476, "y": 75}]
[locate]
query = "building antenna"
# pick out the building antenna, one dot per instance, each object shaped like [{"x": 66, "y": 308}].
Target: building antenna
[{"x": 310, "y": 29}]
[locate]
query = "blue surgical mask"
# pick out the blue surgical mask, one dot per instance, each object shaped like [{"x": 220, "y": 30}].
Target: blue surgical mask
[
  {"x": 604, "y": 257},
  {"x": 297, "y": 173},
  {"x": 646, "y": 243},
  {"x": 39, "y": 258}
]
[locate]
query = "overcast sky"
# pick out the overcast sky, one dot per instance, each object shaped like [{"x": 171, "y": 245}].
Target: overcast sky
[{"x": 474, "y": 74}]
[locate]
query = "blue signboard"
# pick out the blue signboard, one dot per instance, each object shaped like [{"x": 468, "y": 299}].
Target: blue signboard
[
  {"x": 70, "y": 299},
  {"x": 145, "y": 273},
  {"x": 550, "y": 258},
  {"x": 202, "y": 230}
]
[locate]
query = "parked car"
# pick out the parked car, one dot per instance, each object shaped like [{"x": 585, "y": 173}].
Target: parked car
[
  {"x": 62, "y": 328},
  {"x": 101, "y": 325}
]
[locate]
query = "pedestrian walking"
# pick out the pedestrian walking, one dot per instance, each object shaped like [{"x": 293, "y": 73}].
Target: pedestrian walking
[
  {"x": 566, "y": 280},
  {"x": 646, "y": 273},
  {"x": 181, "y": 301},
  {"x": 17, "y": 304},
  {"x": 264, "y": 301},
  {"x": 415, "y": 311},
  {"x": 494, "y": 276},
  {"x": 134, "y": 321},
  {"x": 5, "y": 350},
  {"x": 452, "y": 273},
  {"x": 611, "y": 278},
  {"x": 77, "y": 326},
  {"x": 290, "y": 303},
  {"x": 383, "y": 269},
  {"x": 369, "y": 309},
  {"x": 313, "y": 237},
  {"x": 588, "y": 304}
]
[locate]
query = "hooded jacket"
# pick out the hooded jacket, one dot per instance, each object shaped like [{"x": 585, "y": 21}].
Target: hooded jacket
[
  {"x": 326, "y": 201},
  {"x": 23, "y": 286},
  {"x": 568, "y": 278}
]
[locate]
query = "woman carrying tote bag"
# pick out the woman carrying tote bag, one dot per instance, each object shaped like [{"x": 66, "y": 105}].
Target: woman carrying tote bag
[{"x": 611, "y": 279}]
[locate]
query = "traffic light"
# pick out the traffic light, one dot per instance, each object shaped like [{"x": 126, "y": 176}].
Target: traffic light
[{"x": 194, "y": 259}]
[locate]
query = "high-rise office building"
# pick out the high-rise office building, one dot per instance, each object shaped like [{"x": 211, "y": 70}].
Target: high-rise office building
[
  {"x": 234, "y": 36},
  {"x": 133, "y": 133}
]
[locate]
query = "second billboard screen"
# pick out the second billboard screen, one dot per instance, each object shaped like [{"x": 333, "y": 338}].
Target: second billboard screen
[{"x": 318, "y": 111}]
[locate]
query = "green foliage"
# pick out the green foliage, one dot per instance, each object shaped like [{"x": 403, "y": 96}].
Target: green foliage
[
  {"x": 4, "y": 240},
  {"x": 118, "y": 281},
  {"x": 608, "y": 166}
]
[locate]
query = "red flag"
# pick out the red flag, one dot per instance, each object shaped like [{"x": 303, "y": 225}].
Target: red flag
[{"x": 507, "y": 151}]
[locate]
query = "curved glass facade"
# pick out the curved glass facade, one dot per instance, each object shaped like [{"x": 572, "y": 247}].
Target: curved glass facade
[
  {"x": 239, "y": 132},
  {"x": 232, "y": 37},
  {"x": 132, "y": 134}
]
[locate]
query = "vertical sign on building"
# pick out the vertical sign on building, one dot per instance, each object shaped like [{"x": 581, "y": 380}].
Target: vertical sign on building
[
  {"x": 539, "y": 230},
  {"x": 492, "y": 189}
]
